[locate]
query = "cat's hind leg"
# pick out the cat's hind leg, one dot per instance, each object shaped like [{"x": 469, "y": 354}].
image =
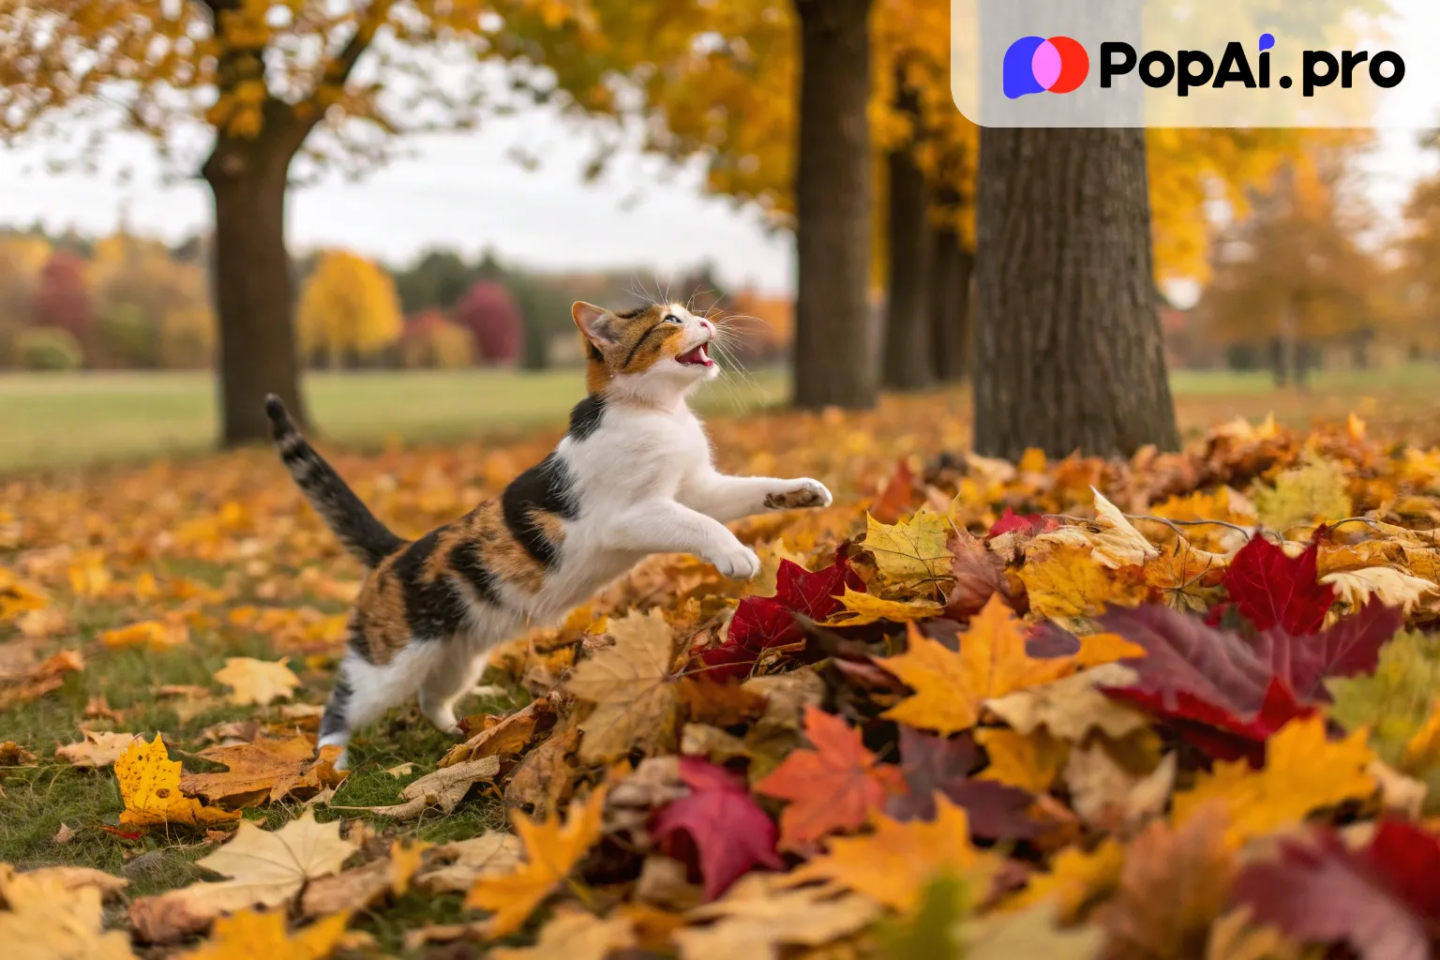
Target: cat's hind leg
[
  {"x": 364, "y": 691},
  {"x": 452, "y": 676}
]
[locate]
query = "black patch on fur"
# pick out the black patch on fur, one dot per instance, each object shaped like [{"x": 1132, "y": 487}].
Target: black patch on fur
[
  {"x": 334, "y": 719},
  {"x": 433, "y": 610},
  {"x": 359, "y": 645},
  {"x": 585, "y": 418},
  {"x": 545, "y": 486},
  {"x": 465, "y": 560},
  {"x": 595, "y": 353},
  {"x": 631, "y": 355},
  {"x": 632, "y": 313}
]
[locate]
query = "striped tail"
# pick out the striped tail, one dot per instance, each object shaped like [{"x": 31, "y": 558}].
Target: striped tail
[{"x": 364, "y": 536}]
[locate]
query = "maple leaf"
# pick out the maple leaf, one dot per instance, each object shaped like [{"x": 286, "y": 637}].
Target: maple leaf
[
  {"x": 1272, "y": 589},
  {"x": 1349, "y": 648},
  {"x": 551, "y": 851},
  {"x": 1071, "y": 708},
  {"x": 443, "y": 789},
  {"x": 632, "y": 685},
  {"x": 1395, "y": 700},
  {"x": 1030, "y": 525},
  {"x": 950, "y": 686},
  {"x": 1381, "y": 901},
  {"x": 730, "y": 832},
  {"x": 362, "y": 887},
  {"x": 911, "y": 553},
  {"x": 150, "y": 786},
  {"x": 934, "y": 767},
  {"x": 266, "y": 768},
  {"x": 250, "y": 934},
  {"x": 833, "y": 787},
  {"x": 45, "y": 917},
  {"x": 894, "y": 500},
  {"x": 1065, "y": 580},
  {"x": 978, "y": 573},
  {"x": 758, "y": 918},
  {"x": 1030, "y": 763},
  {"x": 1314, "y": 491},
  {"x": 456, "y": 866},
  {"x": 508, "y": 737},
  {"x": 893, "y": 865},
  {"x": 1388, "y": 585},
  {"x": 1173, "y": 886},
  {"x": 265, "y": 867},
  {"x": 762, "y": 623},
  {"x": 574, "y": 935},
  {"x": 1303, "y": 772},
  {"x": 257, "y": 681},
  {"x": 1076, "y": 879},
  {"x": 98, "y": 749},
  {"x": 859, "y": 609}
]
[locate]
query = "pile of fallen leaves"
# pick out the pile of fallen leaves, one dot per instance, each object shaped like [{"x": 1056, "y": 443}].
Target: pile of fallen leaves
[{"x": 1183, "y": 705}]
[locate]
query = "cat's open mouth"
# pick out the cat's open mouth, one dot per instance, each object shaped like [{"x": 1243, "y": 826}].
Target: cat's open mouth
[{"x": 699, "y": 355}]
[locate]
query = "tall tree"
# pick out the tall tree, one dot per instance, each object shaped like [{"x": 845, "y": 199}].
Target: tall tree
[
  {"x": 348, "y": 309},
  {"x": 1068, "y": 348},
  {"x": 910, "y": 249},
  {"x": 273, "y": 82}
]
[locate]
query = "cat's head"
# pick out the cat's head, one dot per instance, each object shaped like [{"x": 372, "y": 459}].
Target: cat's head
[{"x": 657, "y": 352}]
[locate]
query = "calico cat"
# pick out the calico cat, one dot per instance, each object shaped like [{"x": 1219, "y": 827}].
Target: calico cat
[{"x": 632, "y": 477}]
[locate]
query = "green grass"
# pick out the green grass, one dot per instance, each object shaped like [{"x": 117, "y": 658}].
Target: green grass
[{"x": 68, "y": 419}]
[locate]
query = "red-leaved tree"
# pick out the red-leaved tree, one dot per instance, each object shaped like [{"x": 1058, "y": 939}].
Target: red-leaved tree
[
  {"x": 489, "y": 312},
  {"x": 61, "y": 297}
]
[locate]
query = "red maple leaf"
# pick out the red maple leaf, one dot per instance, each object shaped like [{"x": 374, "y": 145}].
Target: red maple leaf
[
  {"x": 764, "y": 622},
  {"x": 728, "y": 832},
  {"x": 932, "y": 765},
  {"x": 832, "y": 787},
  {"x": 1226, "y": 694},
  {"x": 1030, "y": 524},
  {"x": 1272, "y": 589},
  {"x": 1383, "y": 900}
]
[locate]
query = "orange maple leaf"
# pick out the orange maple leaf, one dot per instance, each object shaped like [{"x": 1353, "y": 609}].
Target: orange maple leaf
[{"x": 834, "y": 787}]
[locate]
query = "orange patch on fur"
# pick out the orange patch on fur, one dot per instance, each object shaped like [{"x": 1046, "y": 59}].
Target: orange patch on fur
[{"x": 382, "y": 605}]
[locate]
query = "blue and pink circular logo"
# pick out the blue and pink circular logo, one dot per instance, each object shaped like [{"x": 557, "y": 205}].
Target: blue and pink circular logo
[{"x": 1038, "y": 65}]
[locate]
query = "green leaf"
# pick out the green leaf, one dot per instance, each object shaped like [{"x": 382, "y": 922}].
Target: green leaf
[
  {"x": 932, "y": 931},
  {"x": 1316, "y": 491},
  {"x": 1395, "y": 700}
]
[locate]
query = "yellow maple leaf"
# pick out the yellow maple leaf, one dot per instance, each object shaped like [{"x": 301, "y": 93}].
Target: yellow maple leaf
[
  {"x": 45, "y": 917},
  {"x": 950, "y": 686},
  {"x": 1066, "y": 580},
  {"x": 257, "y": 681},
  {"x": 154, "y": 634},
  {"x": 1075, "y": 879},
  {"x": 893, "y": 865},
  {"x": 250, "y": 934},
  {"x": 150, "y": 786},
  {"x": 1303, "y": 772},
  {"x": 1029, "y": 762},
  {"x": 862, "y": 608},
  {"x": 551, "y": 851},
  {"x": 632, "y": 685},
  {"x": 911, "y": 552}
]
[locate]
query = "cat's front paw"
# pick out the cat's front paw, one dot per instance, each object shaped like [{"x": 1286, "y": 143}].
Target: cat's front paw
[
  {"x": 736, "y": 561},
  {"x": 801, "y": 493}
]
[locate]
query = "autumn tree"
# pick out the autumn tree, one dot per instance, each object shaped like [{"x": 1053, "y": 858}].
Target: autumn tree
[
  {"x": 348, "y": 309},
  {"x": 271, "y": 82},
  {"x": 62, "y": 298},
  {"x": 1415, "y": 302},
  {"x": 489, "y": 312},
  {"x": 150, "y": 310},
  {"x": 22, "y": 258},
  {"x": 1292, "y": 273}
]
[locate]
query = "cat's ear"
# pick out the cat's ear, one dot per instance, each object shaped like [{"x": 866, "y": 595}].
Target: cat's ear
[{"x": 594, "y": 322}]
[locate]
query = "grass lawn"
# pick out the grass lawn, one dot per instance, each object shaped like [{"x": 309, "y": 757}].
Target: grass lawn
[{"x": 71, "y": 419}]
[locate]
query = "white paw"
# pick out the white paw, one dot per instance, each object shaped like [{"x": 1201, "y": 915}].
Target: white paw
[
  {"x": 736, "y": 561},
  {"x": 801, "y": 493}
]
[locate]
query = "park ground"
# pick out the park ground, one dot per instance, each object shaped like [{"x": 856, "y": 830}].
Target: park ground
[{"x": 219, "y": 551}]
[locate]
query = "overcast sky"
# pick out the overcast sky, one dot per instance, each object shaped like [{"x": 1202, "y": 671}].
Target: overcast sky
[{"x": 465, "y": 191}]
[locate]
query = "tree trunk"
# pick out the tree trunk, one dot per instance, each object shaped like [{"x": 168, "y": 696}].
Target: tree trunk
[
  {"x": 907, "y": 310},
  {"x": 252, "y": 284},
  {"x": 834, "y": 343},
  {"x": 1068, "y": 349},
  {"x": 952, "y": 267}
]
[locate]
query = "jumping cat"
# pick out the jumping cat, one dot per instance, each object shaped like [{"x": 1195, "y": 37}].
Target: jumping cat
[{"x": 632, "y": 477}]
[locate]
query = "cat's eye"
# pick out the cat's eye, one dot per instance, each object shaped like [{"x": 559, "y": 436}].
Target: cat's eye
[{"x": 671, "y": 318}]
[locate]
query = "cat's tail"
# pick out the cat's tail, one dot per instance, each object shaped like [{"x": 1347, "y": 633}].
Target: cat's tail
[{"x": 365, "y": 537}]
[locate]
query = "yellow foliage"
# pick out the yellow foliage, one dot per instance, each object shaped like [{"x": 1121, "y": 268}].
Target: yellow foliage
[
  {"x": 150, "y": 787},
  {"x": 348, "y": 306}
]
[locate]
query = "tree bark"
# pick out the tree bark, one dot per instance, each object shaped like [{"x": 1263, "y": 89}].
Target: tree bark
[
  {"x": 252, "y": 286},
  {"x": 952, "y": 267},
  {"x": 834, "y": 342},
  {"x": 1068, "y": 349},
  {"x": 907, "y": 363}
]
